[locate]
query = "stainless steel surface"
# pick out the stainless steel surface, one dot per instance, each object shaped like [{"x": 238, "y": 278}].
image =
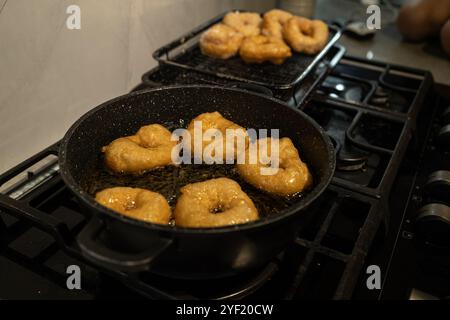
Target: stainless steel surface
[
  {"x": 32, "y": 173},
  {"x": 35, "y": 182},
  {"x": 388, "y": 44},
  {"x": 305, "y": 8}
]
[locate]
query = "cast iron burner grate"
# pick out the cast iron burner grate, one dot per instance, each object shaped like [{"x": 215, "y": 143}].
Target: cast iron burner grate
[
  {"x": 369, "y": 110},
  {"x": 369, "y": 145},
  {"x": 40, "y": 219},
  {"x": 39, "y": 231},
  {"x": 377, "y": 86}
]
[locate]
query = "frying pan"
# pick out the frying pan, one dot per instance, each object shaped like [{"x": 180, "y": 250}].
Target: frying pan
[{"x": 115, "y": 241}]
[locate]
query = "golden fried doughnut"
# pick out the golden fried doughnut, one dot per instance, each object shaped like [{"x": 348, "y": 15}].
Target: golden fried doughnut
[
  {"x": 214, "y": 203},
  {"x": 304, "y": 35},
  {"x": 136, "y": 203},
  {"x": 220, "y": 41},
  {"x": 247, "y": 23},
  {"x": 258, "y": 49},
  {"x": 214, "y": 120},
  {"x": 292, "y": 176},
  {"x": 273, "y": 23},
  {"x": 149, "y": 148}
]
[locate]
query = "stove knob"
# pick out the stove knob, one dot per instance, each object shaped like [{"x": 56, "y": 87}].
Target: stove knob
[
  {"x": 443, "y": 137},
  {"x": 432, "y": 224},
  {"x": 437, "y": 186},
  {"x": 445, "y": 117}
]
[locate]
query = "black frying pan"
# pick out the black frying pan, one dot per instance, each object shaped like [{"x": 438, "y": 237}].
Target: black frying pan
[{"x": 119, "y": 242}]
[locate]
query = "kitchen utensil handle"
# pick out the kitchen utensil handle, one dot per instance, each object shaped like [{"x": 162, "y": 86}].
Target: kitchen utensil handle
[{"x": 99, "y": 253}]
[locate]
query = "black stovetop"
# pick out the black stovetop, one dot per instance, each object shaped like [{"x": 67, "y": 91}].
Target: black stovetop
[{"x": 384, "y": 121}]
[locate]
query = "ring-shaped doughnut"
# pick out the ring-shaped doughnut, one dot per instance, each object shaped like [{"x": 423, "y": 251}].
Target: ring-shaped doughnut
[
  {"x": 291, "y": 177},
  {"x": 273, "y": 23},
  {"x": 220, "y": 41},
  {"x": 148, "y": 149},
  {"x": 213, "y": 203},
  {"x": 247, "y": 23},
  {"x": 140, "y": 204},
  {"x": 304, "y": 35},
  {"x": 258, "y": 49},
  {"x": 214, "y": 120}
]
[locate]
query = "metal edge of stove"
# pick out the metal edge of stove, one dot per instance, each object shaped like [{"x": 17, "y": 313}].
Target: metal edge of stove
[{"x": 21, "y": 208}]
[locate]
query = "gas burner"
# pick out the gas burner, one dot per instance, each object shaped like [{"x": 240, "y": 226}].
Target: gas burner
[
  {"x": 237, "y": 287},
  {"x": 348, "y": 160},
  {"x": 380, "y": 98},
  {"x": 344, "y": 88},
  {"x": 392, "y": 100},
  {"x": 380, "y": 93},
  {"x": 351, "y": 161},
  {"x": 377, "y": 86},
  {"x": 363, "y": 154}
]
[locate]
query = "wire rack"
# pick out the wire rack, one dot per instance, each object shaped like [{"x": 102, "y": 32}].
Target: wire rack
[{"x": 185, "y": 53}]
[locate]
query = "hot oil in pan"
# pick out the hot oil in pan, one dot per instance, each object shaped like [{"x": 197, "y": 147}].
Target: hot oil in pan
[{"x": 170, "y": 179}]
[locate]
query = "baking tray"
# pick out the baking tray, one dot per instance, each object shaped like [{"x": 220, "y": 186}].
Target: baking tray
[{"x": 185, "y": 53}]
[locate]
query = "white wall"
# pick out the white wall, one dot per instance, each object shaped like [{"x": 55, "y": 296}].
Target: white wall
[{"x": 50, "y": 75}]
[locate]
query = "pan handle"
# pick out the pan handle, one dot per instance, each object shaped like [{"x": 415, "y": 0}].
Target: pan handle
[{"x": 99, "y": 253}]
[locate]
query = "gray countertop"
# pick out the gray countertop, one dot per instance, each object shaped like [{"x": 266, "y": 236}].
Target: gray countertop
[{"x": 387, "y": 45}]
